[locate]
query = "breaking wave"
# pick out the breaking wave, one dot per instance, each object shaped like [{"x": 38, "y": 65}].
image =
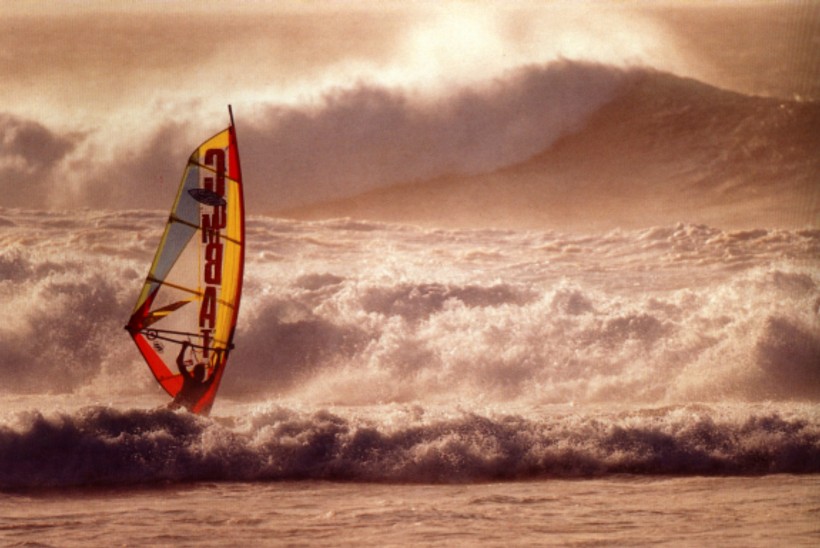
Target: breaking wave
[
  {"x": 657, "y": 148},
  {"x": 443, "y": 356},
  {"x": 664, "y": 315},
  {"x": 364, "y": 137},
  {"x": 564, "y": 127},
  {"x": 103, "y": 446}
]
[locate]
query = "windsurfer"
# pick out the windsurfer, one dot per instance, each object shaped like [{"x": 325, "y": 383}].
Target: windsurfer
[{"x": 194, "y": 383}]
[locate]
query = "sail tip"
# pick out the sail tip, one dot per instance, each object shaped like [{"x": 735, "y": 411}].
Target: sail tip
[{"x": 230, "y": 112}]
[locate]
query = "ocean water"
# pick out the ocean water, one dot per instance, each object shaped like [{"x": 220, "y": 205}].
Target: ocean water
[
  {"x": 394, "y": 384},
  {"x": 622, "y": 511}
]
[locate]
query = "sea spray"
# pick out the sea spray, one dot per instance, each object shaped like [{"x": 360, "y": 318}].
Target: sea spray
[{"x": 669, "y": 314}]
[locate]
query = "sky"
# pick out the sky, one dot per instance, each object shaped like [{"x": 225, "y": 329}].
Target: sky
[{"x": 103, "y": 101}]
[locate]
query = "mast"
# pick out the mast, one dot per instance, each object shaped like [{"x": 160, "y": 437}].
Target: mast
[{"x": 238, "y": 174}]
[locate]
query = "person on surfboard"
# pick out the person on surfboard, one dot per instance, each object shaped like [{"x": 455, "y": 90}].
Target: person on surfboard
[{"x": 194, "y": 383}]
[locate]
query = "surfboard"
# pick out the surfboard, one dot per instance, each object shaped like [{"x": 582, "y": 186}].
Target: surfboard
[{"x": 194, "y": 285}]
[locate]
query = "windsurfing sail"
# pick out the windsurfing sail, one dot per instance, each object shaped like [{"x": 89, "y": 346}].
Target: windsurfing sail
[{"x": 192, "y": 291}]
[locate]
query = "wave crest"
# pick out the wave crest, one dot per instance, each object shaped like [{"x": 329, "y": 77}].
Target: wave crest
[{"x": 100, "y": 446}]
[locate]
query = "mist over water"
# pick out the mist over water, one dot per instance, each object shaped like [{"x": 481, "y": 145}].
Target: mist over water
[{"x": 332, "y": 103}]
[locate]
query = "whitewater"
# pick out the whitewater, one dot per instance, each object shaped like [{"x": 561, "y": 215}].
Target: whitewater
[{"x": 394, "y": 383}]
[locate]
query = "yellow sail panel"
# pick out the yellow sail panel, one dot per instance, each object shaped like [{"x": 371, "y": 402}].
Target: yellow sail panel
[{"x": 187, "y": 310}]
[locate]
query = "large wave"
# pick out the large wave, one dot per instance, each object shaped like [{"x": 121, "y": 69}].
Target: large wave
[
  {"x": 659, "y": 147},
  {"x": 565, "y": 133},
  {"x": 367, "y": 137},
  {"x": 103, "y": 446}
]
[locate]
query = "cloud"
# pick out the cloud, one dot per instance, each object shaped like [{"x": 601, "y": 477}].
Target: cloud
[{"x": 29, "y": 155}]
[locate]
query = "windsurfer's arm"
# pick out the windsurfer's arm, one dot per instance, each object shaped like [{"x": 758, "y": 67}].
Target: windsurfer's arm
[
  {"x": 211, "y": 378},
  {"x": 181, "y": 360}
]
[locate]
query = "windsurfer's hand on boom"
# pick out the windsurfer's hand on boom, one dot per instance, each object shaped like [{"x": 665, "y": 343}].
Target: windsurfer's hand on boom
[{"x": 181, "y": 360}]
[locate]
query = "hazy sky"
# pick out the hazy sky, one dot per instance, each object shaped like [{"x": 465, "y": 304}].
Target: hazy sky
[{"x": 102, "y": 101}]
